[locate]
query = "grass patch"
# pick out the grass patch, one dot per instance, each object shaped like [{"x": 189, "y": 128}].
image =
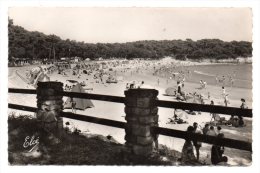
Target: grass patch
[{"x": 74, "y": 148}]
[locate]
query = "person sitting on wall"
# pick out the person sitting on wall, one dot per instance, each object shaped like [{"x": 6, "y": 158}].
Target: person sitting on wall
[
  {"x": 235, "y": 121},
  {"x": 127, "y": 86},
  {"x": 217, "y": 153},
  {"x": 211, "y": 131},
  {"x": 205, "y": 129},
  {"x": 131, "y": 86},
  {"x": 141, "y": 85},
  {"x": 243, "y": 104},
  {"x": 230, "y": 121},
  {"x": 241, "y": 122}
]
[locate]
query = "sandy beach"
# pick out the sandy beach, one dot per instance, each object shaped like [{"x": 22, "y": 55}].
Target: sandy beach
[{"x": 138, "y": 72}]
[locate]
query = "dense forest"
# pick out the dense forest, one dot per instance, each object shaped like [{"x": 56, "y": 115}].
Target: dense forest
[{"x": 37, "y": 45}]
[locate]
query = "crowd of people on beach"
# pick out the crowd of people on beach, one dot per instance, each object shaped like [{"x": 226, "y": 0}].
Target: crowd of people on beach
[
  {"x": 99, "y": 71},
  {"x": 210, "y": 129},
  {"x": 217, "y": 151}
]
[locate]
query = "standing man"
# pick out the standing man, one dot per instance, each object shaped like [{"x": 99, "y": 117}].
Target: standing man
[
  {"x": 226, "y": 101},
  {"x": 232, "y": 81},
  {"x": 223, "y": 91},
  {"x": 179, "y": 87},
  {"x": 73, "y": 105},
  {"x": 243, "y": 104},
  {"x": 197, "y": 144},
  {"x": 217, "y": 80}
]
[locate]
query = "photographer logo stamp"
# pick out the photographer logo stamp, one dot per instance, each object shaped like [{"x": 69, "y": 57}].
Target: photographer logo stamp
[{"x": 31, "y": 142}]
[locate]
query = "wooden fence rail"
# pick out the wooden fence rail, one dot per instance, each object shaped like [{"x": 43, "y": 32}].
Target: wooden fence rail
[
  {"x": 242, "y": 145},
  {"x": 159, "y": 103},
  {"x": 21, "y": 91},
  {"x": 205, "y": 108},
  {"x": 116, "y": 99}
]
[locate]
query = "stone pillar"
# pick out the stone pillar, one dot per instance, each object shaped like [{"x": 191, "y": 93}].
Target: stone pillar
[
  {"x": 141, "y": 115},
  {"x": 50, "y": 106}
]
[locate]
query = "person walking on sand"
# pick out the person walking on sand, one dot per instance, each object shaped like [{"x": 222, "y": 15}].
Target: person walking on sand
[
  {"x": 208, "y": 95},
  {"x": 217, "y": 80},
  {"x": 204, "y": 84},
  {"x": 232, "y": 82},
  {"x": 212, "y": 114},
  {"x": 73, "y": 105},
  {"x": 223, "y": 91},
  {"x": 201, "y": 84},
  {"x": 179, "y": 87},
  {"x": 226, "y": 101}
]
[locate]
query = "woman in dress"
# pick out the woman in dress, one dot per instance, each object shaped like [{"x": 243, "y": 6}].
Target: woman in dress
[{"x": 187, "y": 155}]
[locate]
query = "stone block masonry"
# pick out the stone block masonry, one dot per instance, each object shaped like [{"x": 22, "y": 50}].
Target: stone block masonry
[
  {"x": 50, "y": 106},
  {"x": 141, "y": 115}
]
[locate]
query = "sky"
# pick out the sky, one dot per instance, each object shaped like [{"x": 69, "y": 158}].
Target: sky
[{"x": 110, "y": 25}]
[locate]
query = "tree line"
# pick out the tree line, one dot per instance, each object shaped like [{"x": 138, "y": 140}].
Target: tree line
[{"x": 37, "y": 45}]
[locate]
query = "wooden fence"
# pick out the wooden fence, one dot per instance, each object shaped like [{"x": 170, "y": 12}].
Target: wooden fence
[{"x": 232, "y": 143}]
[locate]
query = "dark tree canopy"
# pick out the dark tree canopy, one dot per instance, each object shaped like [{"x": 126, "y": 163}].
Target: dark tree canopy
[{"x": 36, "y": 45}]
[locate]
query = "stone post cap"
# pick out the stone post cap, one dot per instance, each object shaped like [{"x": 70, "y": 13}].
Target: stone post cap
[
  {"x": 56, "y": 85},
  {"x": 142, "y": 92}
]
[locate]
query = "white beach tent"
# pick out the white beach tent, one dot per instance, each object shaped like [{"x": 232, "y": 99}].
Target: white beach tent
[{"x": 80, "y": 103}]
